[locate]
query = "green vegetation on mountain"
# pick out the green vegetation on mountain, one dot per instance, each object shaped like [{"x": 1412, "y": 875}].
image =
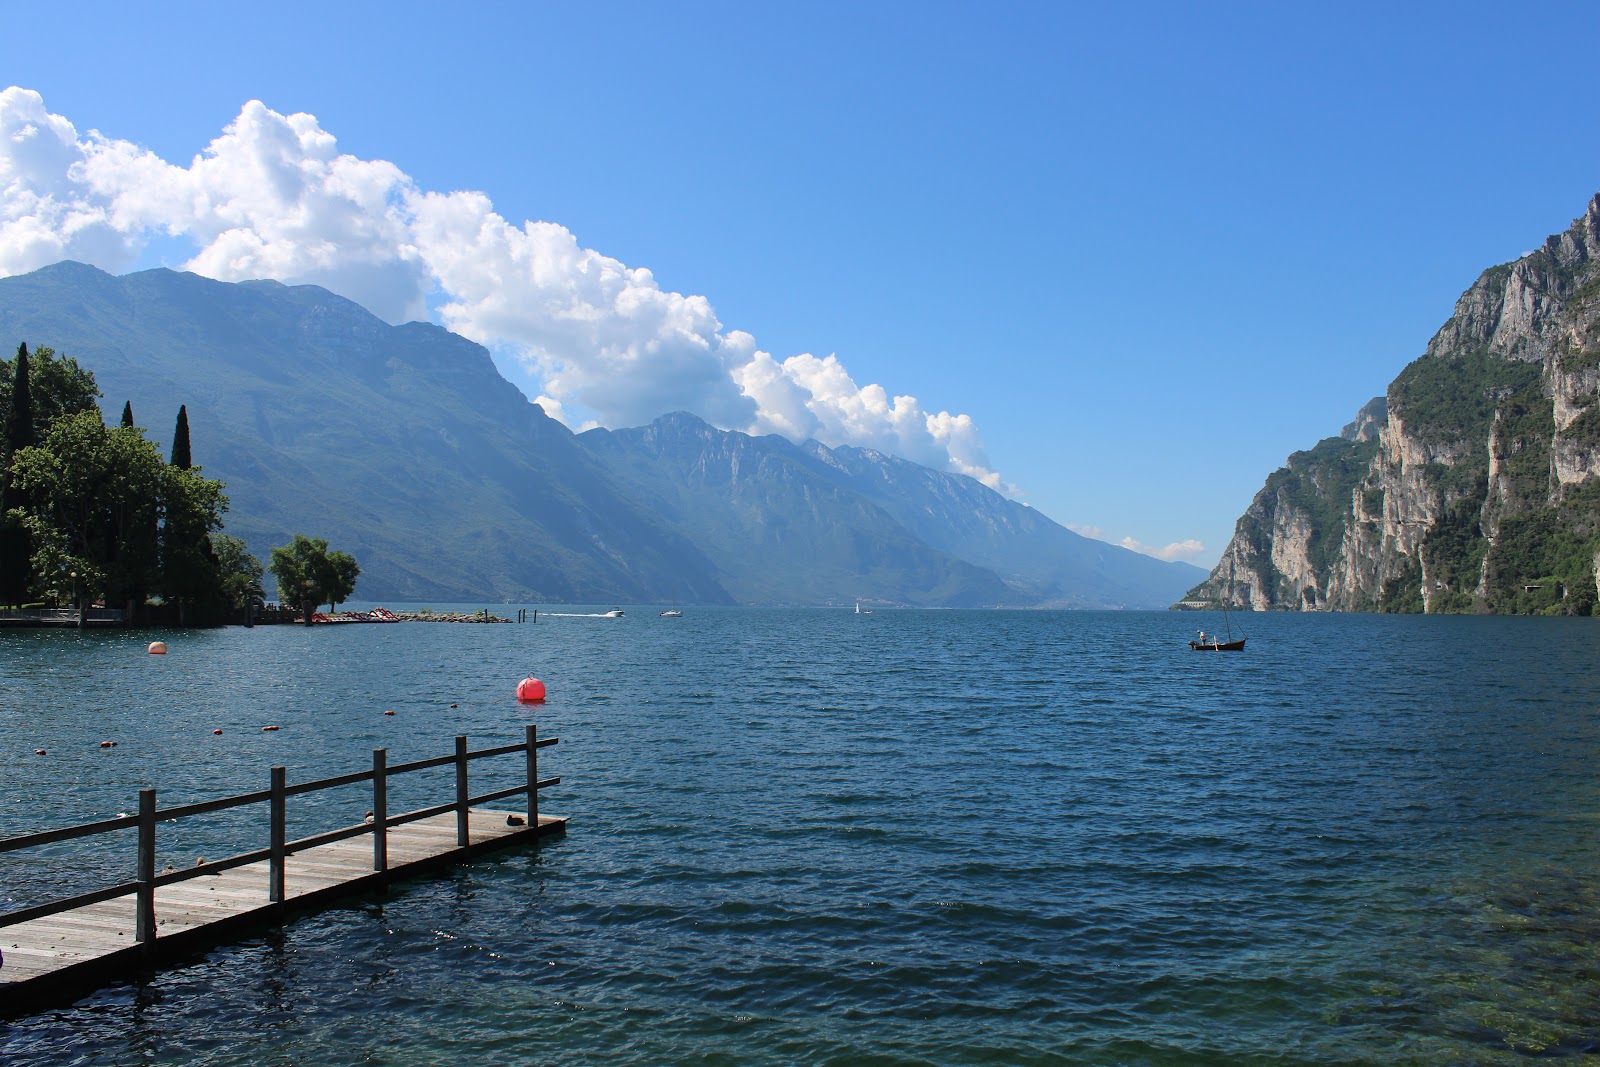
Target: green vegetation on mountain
[
  {"x": 1483, "y": 492},
  {"x": 1443, "y": 400}
]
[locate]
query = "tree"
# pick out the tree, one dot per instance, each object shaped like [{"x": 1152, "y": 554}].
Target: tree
[
  {"x": 192, "y": 507},
  {"x": 339, "y": 579},
  {"x": 180, "y": 440},
  {"x": 309, "y": 575},
  {"x": 19, "y": 416},
  {"x": 127, "y": 413},
  {"x": 53, "y": 386},
  {"x": 34, "y": 391},
  {"x": 92, "y": 499},
  {"x": 241, "y": 575},
  {"x": 88, "y": 494}
]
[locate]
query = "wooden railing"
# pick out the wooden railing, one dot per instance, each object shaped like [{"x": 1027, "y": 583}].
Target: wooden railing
[{"x": 278, "y": 849}]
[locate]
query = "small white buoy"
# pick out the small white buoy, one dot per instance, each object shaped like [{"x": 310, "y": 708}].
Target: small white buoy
[{"x": 158, "y": 648}]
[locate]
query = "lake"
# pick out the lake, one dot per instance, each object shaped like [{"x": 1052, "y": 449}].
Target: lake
[{"x": 909, "y": 837}]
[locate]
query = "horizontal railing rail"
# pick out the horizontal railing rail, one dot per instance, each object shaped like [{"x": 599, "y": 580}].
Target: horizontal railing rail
[{"x": 278, "y": 849}]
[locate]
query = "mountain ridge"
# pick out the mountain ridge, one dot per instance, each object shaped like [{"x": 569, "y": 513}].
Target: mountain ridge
[
  {"x": 405, "y": 446},
  {"x": 1479, "y": 490}
]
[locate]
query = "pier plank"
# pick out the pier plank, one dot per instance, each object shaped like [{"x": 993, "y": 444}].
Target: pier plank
[{"x": 78, "y": 948}]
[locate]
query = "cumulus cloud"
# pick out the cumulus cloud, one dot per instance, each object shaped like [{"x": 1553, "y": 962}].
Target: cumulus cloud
[
  {"x": 273, "y": 197},
  {"x": 1178, "y": 550},
  {"x": 1185, "y": 550}
]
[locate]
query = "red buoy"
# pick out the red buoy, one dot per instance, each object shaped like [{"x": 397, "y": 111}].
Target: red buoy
[
  {"x": 530, "y": 691},
  {"x": 158, "y": 648}
]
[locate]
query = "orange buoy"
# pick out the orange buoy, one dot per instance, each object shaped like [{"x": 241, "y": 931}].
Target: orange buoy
[
  {"x": 530, "y": 691},
  {"x": 388, "y": 713},
  {"x": 158, "y": 648},
  {"x": 216, "y": 731}
]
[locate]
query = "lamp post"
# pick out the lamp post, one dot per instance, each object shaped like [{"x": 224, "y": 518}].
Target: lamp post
[{"x": 75, "y": 600}]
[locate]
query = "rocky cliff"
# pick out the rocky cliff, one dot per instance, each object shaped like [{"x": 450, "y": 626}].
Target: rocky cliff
[{"x": 1470, "y": 487}]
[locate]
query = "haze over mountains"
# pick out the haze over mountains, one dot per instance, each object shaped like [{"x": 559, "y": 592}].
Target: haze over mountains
[{"x": 404, "y": 446}]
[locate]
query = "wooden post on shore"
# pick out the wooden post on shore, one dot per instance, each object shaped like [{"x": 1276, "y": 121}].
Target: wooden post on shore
[
  {"x": 380, "y": 809},
  {"x": 461, "y": 790},
  {"x": 532, "y": 731},
  {"x": 144, "y": 922},
  {"x": 279, "y": 835}
]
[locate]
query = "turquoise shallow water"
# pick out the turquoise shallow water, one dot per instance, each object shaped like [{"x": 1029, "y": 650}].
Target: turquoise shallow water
[{"x": 897, "y": 838}]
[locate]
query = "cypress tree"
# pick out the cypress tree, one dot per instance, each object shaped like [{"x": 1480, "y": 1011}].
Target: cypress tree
[
  {"x": 180, "y": 440},
  {"x": 16, "y": 547},
  {"x": 19, "y": 434},
  {"x": 127, "y": 413}
]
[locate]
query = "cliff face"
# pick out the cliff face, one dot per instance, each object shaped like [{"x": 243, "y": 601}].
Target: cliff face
[{"x": 1472, "y": 486}]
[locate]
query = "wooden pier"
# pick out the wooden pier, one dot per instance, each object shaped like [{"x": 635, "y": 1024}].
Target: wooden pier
[{"x": 63, "y": 948}]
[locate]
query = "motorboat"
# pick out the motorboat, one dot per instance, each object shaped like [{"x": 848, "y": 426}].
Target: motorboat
[{"x": 672, "y": 613}]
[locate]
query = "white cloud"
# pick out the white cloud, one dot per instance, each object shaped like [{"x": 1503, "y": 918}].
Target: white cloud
[
  {"x": 46, "y": 214},
  {"x": 272, "y": 197},
  {"x": 1185, "y": 550}
]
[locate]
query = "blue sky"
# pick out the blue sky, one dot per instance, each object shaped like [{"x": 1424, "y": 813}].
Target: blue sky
[{"x": 1148, "y": 250}]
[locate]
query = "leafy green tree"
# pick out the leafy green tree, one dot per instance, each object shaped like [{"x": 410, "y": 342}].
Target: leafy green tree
[
  {"x": 240, "y": 572},
  {"x": 127, "y": 413},
  {"x": 339, "y": 578},
  {"x": 34, "y": 390},
  {"x": 190, "y": 574},
  {"x": 54, "y": 386},
  {"x": 309, "y": 575},
  {"x": 88, "y": 493},
  {"x": 92, "y": 501}
]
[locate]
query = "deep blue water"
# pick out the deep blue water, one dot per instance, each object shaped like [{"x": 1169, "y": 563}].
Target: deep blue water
[{"x": 898, "y": 838}]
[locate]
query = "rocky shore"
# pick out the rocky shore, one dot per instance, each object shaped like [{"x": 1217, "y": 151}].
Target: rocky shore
[{"x": 447, "y": 616}]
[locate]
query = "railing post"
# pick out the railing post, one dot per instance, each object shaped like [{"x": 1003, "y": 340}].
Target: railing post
[
  {"x": 461, "y": 791},
  {"x": 380, "y": 809},
  {"x": 532, "y": 732},
  {"x": 279, "y": 835},
  {"x": 144, "y": 923}
]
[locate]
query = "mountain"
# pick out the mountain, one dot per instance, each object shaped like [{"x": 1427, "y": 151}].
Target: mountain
[
  {"x": 861, "y": 523},
  {"x": 1044, "y": 562},
  {"x": 1478, "y": 490},
  {"x": 780, "y": 533},
  {"x": 400, "y": 444},
  {"x": 405, "y": 447}
]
